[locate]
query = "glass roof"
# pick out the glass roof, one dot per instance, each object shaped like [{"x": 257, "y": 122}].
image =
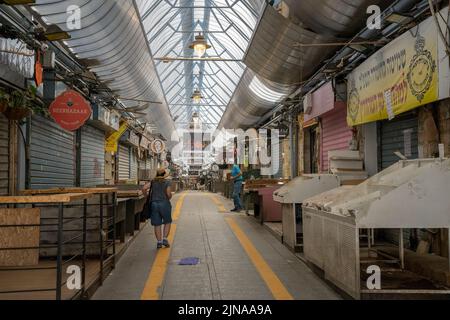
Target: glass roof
[{"x": 170, "y": 27}]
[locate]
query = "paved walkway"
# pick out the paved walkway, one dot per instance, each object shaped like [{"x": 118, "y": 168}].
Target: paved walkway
[{"x": 239, "y": 259}]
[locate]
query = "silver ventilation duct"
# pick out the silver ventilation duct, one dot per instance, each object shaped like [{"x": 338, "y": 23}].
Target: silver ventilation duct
[
  {"x": 274, "y": 53},
  {"x": 253, "y": 98},
  {"x": 111, "y": 33},
  {"x": 341, "y": 18}
]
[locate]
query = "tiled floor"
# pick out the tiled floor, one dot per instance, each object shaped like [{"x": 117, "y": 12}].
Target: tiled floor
[{"x": 225, "y": 271}]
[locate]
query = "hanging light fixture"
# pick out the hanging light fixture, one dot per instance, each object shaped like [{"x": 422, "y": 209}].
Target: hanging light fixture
[
  {"x": 197, "y": 96},
  {"x": 195, "y": 117},
  {"x": 199, "y": 46}
]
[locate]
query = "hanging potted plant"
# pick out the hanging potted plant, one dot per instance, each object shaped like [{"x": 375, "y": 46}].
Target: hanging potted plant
[
  {"x": 20, "y": 104},
  {"x": 4, "y": 100}
]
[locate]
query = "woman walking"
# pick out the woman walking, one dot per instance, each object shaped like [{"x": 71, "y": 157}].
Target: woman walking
[{"x": 160, "y": 206}]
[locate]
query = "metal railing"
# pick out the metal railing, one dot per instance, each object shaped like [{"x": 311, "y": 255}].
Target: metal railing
[{"x": 72, "y": 250}]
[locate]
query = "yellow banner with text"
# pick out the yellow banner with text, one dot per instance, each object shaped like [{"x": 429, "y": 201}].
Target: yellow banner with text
[
  {"x": 399, "y": 77},
  {"x": 112, "y": 141}
]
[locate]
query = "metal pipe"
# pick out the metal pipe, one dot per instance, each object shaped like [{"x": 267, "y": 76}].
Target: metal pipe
[
  {"x": 59, "y": 252},
  {"x": 83, "y": 274},
  {"x": 292, "y": 146},
  {"x": 101, "y": 238},
  {"x": 401, "y": 249},
  {"x": 169, "y": 59},
  {"x": 448, "y": 247}
]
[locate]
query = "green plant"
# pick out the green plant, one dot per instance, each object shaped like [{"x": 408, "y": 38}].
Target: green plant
[
  {"x": 17, "y": 100},
  {"x": 23, "y": 99},
  {"x": 4, "y": 99},
  {"x": 22, "y": 103}
]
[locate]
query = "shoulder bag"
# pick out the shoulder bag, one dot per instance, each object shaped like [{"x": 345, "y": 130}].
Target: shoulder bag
[{"x": 147, "y": 209}]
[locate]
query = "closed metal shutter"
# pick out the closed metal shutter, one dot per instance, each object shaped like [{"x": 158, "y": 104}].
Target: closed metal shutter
[
  {"x": 336, "y": 135},
  {"x": 133, "y": 164},
  {"x": 124, "y": 162},
  {"x": 399, "y": 135},
  {"x": 92, "y": 157},
  {"x": 4, "y": 155},
  {"x": 52, "y": 155}
]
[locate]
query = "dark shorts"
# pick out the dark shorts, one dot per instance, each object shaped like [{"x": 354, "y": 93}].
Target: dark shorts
[{"x": 161, "y": 213}]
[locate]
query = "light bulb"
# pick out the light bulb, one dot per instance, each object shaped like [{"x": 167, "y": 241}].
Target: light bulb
[
  {"x": 197, "y": 98},
  {"x": 199, "y": 50}
]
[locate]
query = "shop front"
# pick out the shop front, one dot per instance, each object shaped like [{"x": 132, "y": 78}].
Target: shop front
[
  {"x": 325, "y": 126},
  {"x": 52, "y": 158},
  {"x": 128, "y": 157},
  {"x": 103, "y": 130},
  {"x": 399, "y": 96},
  {"x": 92, "y": 166},
  {"x": 124, "y": 162}
]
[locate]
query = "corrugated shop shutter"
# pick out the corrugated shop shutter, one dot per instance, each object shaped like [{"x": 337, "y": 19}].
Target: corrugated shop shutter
[
  {"x": 142, "y": 164},
  {"x": 133, "y": 164},
  {"x": 4, "y": 155},
  {"x": 336, "y": 135},
  {"x": 124, "y": 162},
  {"x": 399, "y": 134},
  {"x": 52, "y": 155},
  {"x": 92, "y": 156}
]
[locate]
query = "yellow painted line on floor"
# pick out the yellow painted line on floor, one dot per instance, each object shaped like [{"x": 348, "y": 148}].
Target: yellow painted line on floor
[
  {"x": 158, "y": 271},
  {"x": 274, "y": 284},
  {"x": 218, "y": 203},
  {"x": 177, "y": 210}
]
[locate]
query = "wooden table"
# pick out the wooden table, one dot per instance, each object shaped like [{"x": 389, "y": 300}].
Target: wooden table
[
  {"x": 68, "y": 190},
  {"x": 45, "y": 199},
  {"x": 136, "y": 193}
]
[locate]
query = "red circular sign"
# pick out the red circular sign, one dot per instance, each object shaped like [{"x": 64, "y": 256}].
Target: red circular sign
[{"x": 70, "y": 110}]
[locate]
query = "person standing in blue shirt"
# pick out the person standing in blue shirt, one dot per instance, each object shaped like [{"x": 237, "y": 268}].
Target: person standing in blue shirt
[{"x": 236, "y": 177}]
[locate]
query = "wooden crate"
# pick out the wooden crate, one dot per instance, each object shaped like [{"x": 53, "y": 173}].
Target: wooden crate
[{"x": 14, "y": 237}]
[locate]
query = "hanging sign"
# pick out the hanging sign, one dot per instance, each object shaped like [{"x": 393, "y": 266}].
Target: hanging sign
[
  {"x": 157, "y": 146},
  {"x": 70, "y": 110},
  {"x": 112, "y": 141},
  {"x": 399, "y": 77},
  {"x": 134, "y": 139}
]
